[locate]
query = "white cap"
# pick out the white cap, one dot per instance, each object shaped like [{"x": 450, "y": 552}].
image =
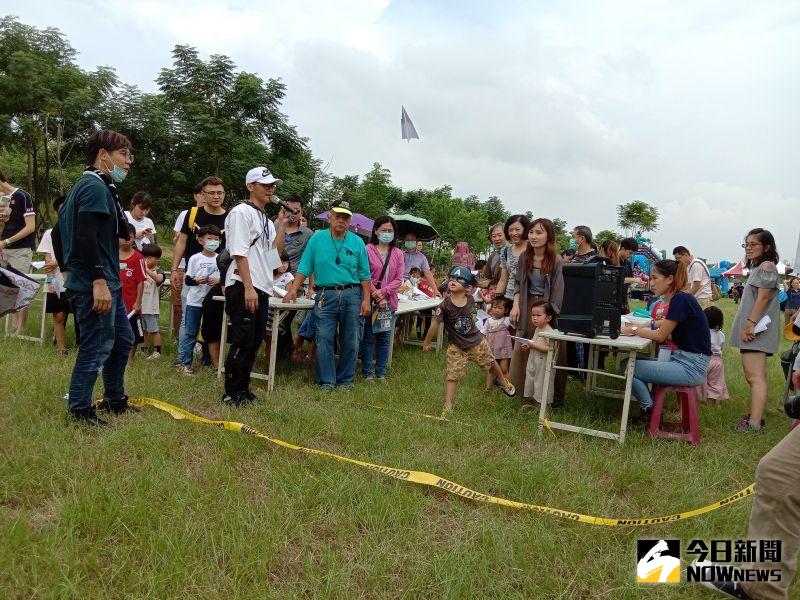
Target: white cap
[{"x": 261, "y": 175}]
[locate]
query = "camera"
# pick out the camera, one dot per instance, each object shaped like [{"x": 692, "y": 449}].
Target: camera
[{"x": 792, "y": 407}]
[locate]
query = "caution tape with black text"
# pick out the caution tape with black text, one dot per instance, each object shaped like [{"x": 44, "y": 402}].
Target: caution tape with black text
[{"x": 429, "y": 479}]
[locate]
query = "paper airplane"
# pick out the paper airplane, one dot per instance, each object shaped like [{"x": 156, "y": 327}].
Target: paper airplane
[{"x": 407, "y": 127}]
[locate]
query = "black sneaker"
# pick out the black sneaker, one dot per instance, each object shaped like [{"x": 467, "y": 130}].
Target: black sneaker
[
  {"x": 251, "y": 397},
  {"x": 731, "y": 589},
  {"x": 117, "y": 406},
  {"x": 642, "y": 421},
  {"x": 88, "y": 416},
  {"x": 235, "y": 400}
]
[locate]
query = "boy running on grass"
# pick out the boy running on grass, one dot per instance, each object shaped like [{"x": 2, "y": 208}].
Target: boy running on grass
[{"x": 466, "y": 341}]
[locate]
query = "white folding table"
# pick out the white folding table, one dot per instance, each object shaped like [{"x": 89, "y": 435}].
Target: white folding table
[
  {"x": 281, "y": 308},
  {"x": 630, "y": 345}
]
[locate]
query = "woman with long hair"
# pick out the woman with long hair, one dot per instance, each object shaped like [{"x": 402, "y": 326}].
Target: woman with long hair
[
  {"x": 515, "y": 230},
  {"x": 538, "y": 277},
  {"x": 759, "y": 299},
  {"x": 688, "y": 326},
  {"x": 609, "y": 251},
  {"x": 138, "y": 216},
  {"x": 386, "y": 264}
]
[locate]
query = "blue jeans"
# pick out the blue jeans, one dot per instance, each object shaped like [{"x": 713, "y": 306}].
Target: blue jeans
[
  {"x": 376, "y": 344},
  {"x": 205, "y": 359},
  {"x": 338, "y": 309},
  {"x": 191, "y": 327},
  {"x": 683, "y": 368},
  {"x": 106, "y": 342}
]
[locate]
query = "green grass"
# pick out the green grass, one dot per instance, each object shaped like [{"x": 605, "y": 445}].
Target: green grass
[{"x": 159, "y": 508}]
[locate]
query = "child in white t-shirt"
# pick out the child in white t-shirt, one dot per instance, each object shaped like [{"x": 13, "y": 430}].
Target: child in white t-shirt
[
  {"x": 201, "y": 274},
  {"x": 137, "y": 216},
  {"x": 151, "y": 300}
]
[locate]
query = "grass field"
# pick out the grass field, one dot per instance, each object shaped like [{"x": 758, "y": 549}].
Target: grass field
[{"x": 156, "y": 508}]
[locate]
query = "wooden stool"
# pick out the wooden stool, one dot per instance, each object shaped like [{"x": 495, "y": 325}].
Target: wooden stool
[{"x": 688, "y": 428}]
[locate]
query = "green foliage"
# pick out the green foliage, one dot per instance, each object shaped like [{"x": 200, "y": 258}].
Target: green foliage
[
  {"x": 637, "y": 217},
  {"x": 607, "y": 234},
  {"x": 46, "y": 102},
  {"x": 563, "y": 238}
]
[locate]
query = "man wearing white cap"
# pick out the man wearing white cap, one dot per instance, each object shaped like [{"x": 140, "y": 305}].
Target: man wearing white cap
[{"x": 248, "y": 282}]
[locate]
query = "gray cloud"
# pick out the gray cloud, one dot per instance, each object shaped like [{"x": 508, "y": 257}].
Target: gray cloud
[{"x": 566, "y": 110}]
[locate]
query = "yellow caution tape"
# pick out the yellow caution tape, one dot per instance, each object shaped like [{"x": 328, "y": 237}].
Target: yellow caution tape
[
  {"x": 546, "y": 422},
  {"x": 432, "y": 480}
]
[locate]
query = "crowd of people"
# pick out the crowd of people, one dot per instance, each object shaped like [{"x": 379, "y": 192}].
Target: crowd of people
[
  {"x": 105, "y": 260},
  {"x": 102, "y": 265}
]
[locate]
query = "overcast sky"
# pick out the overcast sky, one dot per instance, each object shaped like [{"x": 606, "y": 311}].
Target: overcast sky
[{"x": 562, "y": 108}]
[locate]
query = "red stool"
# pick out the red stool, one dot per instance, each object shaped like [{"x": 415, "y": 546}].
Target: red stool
[{"x": 688, "y": 428}]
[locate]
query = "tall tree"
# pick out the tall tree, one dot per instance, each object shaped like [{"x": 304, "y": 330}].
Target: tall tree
[
  {"x": 226, "y": 122},
  {"x": 46, "y": 102},
  {"x": 637, "y": 217}
]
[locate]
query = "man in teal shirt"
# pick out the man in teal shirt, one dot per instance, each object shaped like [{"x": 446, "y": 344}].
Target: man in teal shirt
[
  {"x": 89, "y": 226},
  {"x": 337, "y": 258}
]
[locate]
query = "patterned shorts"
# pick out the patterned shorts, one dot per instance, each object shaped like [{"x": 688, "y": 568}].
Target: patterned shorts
[{"x": 457, "y": 359}]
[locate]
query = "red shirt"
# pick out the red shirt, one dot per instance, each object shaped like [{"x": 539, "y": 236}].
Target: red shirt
[{"x": 131, "y": 274}]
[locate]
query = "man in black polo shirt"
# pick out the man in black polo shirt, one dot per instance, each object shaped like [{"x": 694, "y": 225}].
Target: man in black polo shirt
[
  {"x": 584, "y": 248},
  {"x": 211, "y": 213},
  {"x": 18, "y": 239}
]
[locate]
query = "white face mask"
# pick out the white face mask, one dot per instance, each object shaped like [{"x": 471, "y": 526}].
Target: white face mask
[
  {"x": 211, "y": 245},
  {"x": 414, "y": 280}
]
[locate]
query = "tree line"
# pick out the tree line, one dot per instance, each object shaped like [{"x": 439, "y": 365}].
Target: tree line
[{"x": 206, "y": 117}]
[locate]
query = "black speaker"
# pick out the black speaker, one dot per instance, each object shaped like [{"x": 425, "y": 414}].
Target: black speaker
[{"x": 594, "y": 294}]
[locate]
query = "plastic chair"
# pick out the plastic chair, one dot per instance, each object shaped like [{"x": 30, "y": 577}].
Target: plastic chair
[{"x": 688, "y": 428}]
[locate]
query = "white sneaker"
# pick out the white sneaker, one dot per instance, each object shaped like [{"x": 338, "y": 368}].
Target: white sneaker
[
  {"x": 198, "y": 349},
  {"x": 155, "y": 355}
]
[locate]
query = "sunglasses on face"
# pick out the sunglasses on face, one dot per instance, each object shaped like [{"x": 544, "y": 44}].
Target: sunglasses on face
[{"x": 460, "y": 280}]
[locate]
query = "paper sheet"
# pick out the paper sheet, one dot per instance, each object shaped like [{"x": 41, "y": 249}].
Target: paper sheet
[{"x": 762, "y": 324}]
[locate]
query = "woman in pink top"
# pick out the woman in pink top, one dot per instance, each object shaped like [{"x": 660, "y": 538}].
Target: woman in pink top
[{"x": 386, "y": 264}]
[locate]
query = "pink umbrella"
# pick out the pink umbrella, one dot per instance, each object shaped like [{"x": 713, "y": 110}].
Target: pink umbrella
[{"x": 358, "y": 224}]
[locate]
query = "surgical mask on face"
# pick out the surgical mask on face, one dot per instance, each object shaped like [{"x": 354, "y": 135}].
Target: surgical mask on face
[
  {"x": 414, "y": 280},
  {"x": 410, "y": 244},
  {"x": 211, "y": 245},
  {"x": 385, "y": 238},
  {"x": 118, "y": 174}
]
